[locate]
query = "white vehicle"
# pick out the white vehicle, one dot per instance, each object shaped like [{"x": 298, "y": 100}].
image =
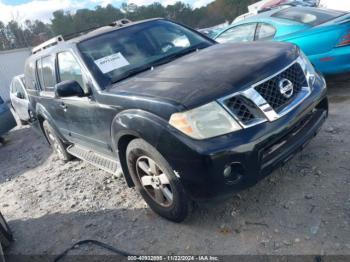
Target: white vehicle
[
  {"x": 19, "y": 98},
  {"x": 341, "y": 5}
]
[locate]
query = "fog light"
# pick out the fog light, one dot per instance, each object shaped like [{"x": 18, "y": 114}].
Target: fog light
[{"x": 233, "y": 173}]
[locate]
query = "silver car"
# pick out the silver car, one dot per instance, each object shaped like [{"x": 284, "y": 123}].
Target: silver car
[{"x": 19, "y": 98}]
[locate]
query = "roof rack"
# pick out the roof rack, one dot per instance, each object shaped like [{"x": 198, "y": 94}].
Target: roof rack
[
  {"x": 51, "y": 42},
  {"x": 119, "y": 23}
]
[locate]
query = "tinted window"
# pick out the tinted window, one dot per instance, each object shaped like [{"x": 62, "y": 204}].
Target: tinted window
[
  {"x": 240, "y": 33},
  {"x": 311, "y": 16},
  {"x": 113, "y": 56},
  {"x": 48, "y": 72},
  {"x": 69, "y": 68},
  {"x": 265, "y": 32}
]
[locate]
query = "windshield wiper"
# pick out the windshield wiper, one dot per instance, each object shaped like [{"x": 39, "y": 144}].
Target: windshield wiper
[
  {"x": 132, "y": 72},
  {"x": 184, "y": 52}
]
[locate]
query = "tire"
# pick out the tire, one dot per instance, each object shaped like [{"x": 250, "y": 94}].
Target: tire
[
  {"x": 161, "y": 188},
  {"x": 5, "y": 233},
  {"x": 55, "y": 142}
]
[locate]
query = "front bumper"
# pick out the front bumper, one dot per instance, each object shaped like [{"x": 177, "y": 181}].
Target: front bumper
[{"x": 252, "y": 153}]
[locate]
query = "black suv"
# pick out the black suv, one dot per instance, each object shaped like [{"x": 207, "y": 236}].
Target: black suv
[{"x": 182, "y": 117}]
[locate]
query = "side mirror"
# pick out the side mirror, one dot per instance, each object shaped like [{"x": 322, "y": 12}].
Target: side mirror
[
  {"x": 68, "y": 88},
  {"x": 19, "y": 95}
]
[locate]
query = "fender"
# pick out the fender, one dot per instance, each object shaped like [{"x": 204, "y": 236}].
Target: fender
[
  {"x": 134, "y": 123},
  {"x": 137, "y": 123}
]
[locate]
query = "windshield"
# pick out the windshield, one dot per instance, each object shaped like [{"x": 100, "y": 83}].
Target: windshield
[{"x": 116, "y": 55}]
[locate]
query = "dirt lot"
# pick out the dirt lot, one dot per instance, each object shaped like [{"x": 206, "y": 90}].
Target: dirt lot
[{"x": 303, "y": 208}]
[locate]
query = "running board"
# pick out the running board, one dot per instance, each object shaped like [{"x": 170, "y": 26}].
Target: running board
[{"x": 96, "y": 159}]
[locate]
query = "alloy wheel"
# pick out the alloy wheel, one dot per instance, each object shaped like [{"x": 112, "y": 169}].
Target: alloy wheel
[{"x": 154, "y": 181}]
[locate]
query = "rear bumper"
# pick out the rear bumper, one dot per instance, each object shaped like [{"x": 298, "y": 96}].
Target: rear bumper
[
  {"x": 335, "y": 61},
  {"x": 252, "y": 153}
]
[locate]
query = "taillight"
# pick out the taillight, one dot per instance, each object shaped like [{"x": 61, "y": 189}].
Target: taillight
[{"x": 345, "y": 40}]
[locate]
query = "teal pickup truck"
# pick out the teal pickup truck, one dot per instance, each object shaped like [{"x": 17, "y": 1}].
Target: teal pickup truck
[{"x": 7, "y": 121}]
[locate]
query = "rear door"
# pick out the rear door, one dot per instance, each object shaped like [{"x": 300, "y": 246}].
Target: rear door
[{"x": 47, "y": 79}]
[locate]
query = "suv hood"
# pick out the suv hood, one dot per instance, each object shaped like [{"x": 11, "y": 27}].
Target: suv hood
[{"x": 211, "y": 73}]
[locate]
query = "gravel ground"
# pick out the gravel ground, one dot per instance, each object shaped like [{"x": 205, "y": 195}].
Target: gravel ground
[{"x": 303, "y": 208}]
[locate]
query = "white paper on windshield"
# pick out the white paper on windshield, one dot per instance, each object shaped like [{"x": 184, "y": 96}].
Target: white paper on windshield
[{"x": 112, "y": 62}]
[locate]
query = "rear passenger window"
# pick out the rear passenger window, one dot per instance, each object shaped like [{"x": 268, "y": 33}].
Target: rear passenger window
[
  {"x": 69, "y": 69},
  {"x": 265, "y": 32},
  {"x": 46, "y": 73}
]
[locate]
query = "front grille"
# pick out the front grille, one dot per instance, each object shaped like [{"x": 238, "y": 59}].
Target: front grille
[
  {"x": 269, "y": 90},
  {"x": 237, "y": 106},
  {"x": 243, "y": 109}
]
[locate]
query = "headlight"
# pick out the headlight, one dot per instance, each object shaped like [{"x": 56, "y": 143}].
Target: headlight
[
  {"x": 309, "y": 68},
  {"x": 204, "y": 122}
]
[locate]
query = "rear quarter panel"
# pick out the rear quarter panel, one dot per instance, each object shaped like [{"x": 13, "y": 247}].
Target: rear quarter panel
[{"x": 316, "y": 40}]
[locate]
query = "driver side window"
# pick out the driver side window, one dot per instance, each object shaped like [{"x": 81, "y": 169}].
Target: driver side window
[
  {"x": 240, "y": 33},
  {"x": 68, "y": 68},
  {"x": 265, "y": 32}
]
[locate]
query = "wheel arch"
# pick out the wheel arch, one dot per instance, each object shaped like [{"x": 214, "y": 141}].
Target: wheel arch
[{"x": 133, "y": 124}]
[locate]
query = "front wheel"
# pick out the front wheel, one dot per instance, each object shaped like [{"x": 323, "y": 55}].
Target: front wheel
[{"x": 156, "y": 181}]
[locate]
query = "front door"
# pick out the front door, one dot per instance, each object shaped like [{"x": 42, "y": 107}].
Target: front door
[{"x": 88, "y": 122}]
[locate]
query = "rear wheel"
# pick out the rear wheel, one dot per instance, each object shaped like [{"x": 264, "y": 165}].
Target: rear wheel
[
  {"x": 5, "y": 233},
  {"x": 58, "y": 146},
  {"x": 156, "y": 181}
]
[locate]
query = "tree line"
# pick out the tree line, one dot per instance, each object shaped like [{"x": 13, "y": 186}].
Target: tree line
[{"x": 31, "y": 33}]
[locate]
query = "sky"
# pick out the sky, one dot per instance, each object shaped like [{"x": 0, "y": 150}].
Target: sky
[{"x": 21, "y": 10}]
